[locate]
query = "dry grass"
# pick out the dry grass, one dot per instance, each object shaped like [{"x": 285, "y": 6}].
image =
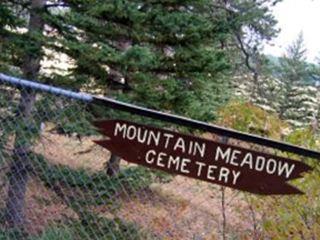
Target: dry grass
[{"x": 181, "y": 209}]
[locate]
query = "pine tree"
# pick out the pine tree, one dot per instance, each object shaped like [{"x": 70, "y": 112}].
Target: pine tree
[
  {"x": 163, "y": 55},
  {"x": 168, "y": 55},
  {"x": 252, "y": 24},
  {"x": 29, "y": 65},
  {"x": 298, "y": 101}
]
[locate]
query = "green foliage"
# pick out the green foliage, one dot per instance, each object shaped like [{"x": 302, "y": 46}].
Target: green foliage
[
  {"x": 82, "y": 190},
  {"x": 11, "y": 234},
  {"x": 173, "y": 55},
  {"x": 68, "y": 115},
  {"x": 166, "y": 52},
  {"x": 298, "y": 103},
  {"x": 7, "y": 126},
  {"x": 252, "y": 24},
  {"x": 304, "y": 137},
  {"x": 94, "y": 227},
  {"x": 96, "y": 187},
  {"x": 56, "y": 233},
  {"x": 24, "y": 132},
  {"x": 247, "y": 117},
  {"x": 297, "y": 217},
  {"x": 8, "y": 39},
  {"x": 89, "y": 226},
  {"x": 281, "y": 217}
]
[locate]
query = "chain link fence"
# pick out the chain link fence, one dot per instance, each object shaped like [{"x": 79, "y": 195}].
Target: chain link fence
[{"x": 56, "y": 183}]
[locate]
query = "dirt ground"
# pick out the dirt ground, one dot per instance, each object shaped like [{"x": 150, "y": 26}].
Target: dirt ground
[{"x": 181, "y": 209}]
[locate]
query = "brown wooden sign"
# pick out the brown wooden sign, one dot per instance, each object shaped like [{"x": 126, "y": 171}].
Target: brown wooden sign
[{"x": 199, "y": 158}]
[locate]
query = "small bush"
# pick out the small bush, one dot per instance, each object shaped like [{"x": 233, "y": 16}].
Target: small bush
[
  {"x": 56, "y": 233},
  {"x": 247, "y": 117},
  {"x": 91, "y": 226},
  {"x": 96, "y": 188}
]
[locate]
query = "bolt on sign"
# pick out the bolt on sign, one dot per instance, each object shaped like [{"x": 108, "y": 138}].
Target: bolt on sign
[{"x": 199, "y": 158}]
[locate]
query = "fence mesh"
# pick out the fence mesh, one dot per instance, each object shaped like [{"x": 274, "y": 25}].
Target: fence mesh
[{"x": 55, "y": 183}]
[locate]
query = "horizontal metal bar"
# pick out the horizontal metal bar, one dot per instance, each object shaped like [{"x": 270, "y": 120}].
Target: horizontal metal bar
[
  {"x": 109, "y": 102},
  {"x": 205, "y": 127},
  {"x": 45, "y": 88}
]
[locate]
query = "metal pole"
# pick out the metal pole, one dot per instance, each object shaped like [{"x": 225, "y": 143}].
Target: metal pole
[
  {"x": 111, "y": 103},
  {"x": 45, "y": 88}
]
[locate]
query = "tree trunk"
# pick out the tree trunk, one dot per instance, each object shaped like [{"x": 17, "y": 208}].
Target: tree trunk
[
  {"x": 20, "y": 166},
  {"x": 115, "y": 76},
  {"x": 113, "y": 165}
]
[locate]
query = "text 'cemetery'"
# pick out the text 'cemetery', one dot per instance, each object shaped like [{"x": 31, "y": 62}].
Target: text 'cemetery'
[{"x": 200, "y": 158}]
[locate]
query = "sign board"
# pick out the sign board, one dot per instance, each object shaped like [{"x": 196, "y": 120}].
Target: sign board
[{"x": 199, "y": 158}]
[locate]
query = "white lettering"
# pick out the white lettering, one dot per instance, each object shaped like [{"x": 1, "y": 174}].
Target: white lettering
[
  {"x": 247, "y": 160},
  {"x": 234, "y": 156},
  {"x": 131, "y": 132},
  {"x": 285, "y": 167},
  {"x": 180, "y": 144},
  {"x": 154, "y": 138},
  {"x": 174, "y": 161},
  {"x": 148, "y": 159},
  {"x": 184, "y": 163},
  {"x": 211, "y": 169},
  {"x": 260, "y": 162},
  {"x": 168, "y": 136},
  {"x": 224, "y": 173},
  {"x": 222, "y": 155},
  {"x": 200, "y": 165},
  {"x": 120, "y": 128},
  {"x": 271, "y": 166},
  {"x": 142, "y": 135},
  {"x": 235, "y": 176},
  {"x": 201, "y": 149},
  {"x": 160, "y": 159}
]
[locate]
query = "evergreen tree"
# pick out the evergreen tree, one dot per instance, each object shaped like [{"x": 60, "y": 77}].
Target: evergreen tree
[
  {"x": 266, "y": 95},
  {"x": 252, "y": 24},
  {"x": 162, "y": 55},
  {"x": 28, "y": 63},
  {"x": 298, "y": 101},
  {"x": 168, "y": 55}
]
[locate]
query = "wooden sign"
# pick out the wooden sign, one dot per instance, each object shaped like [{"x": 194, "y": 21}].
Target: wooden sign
[{"x": 199, "y": 158}]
